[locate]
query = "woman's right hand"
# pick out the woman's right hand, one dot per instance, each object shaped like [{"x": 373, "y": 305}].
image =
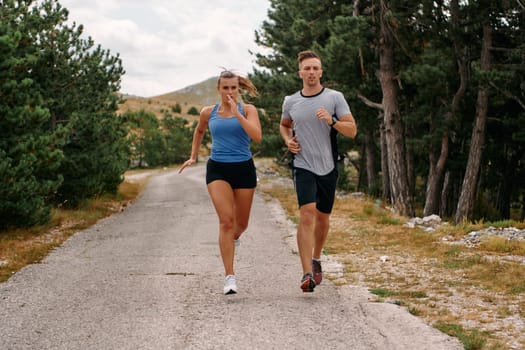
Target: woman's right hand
[{"x": 186, "y": 164}]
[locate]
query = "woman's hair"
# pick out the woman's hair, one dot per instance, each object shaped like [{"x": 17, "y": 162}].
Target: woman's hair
[{"x": 245, "y": 84}]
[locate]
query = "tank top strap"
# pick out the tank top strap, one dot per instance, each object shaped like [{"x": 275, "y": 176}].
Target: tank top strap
[
  {"x": 241, "y": 109},
  {"x": 214, "y": 111}
]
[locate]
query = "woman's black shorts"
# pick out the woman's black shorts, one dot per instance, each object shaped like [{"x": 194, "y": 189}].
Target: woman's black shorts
[{"x": 238, "y": 174}]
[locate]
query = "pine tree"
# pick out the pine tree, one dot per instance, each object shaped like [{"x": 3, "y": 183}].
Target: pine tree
[{"x": 30, "y": 149}]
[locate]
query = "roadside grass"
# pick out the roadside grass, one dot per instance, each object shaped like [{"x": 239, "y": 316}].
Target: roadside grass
[
  {"x": 472, "y": 340},
  {"x": 501, "y": 245},
  {"x": 474, "y": 293},
  {"x": 23, "y": 246}
]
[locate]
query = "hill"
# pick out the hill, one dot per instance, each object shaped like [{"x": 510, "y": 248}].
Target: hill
[
  {"x": 203, "y": 93},
  {"x": 196, "y": 95}
]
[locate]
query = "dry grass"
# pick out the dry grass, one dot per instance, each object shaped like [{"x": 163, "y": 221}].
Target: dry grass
[
  {"x": 474, "y": 293},
  {"x": 196, "y": 95},
  {"x": 20, "y": 247},
  {"x": 158, "y": 106}
]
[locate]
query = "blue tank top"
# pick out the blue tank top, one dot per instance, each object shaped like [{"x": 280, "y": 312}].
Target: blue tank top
[{"x": 229, "y": 142}]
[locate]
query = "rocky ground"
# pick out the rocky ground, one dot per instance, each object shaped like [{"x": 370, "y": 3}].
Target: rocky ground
[{"x": 449, "y": 296}]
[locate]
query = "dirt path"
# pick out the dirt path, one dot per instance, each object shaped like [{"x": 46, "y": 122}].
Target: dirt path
[{"x": 151, "y": 278}]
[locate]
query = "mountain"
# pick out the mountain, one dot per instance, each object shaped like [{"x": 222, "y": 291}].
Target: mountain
[
  {"x": 196, "y": 95},
  {"x": 202, "y": 94}
]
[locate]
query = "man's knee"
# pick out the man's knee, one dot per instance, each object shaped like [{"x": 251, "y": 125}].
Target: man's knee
[{"x": 307, "y": 212}]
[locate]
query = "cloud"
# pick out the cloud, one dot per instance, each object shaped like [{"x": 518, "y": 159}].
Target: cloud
[{"x": 167, "y": 45}]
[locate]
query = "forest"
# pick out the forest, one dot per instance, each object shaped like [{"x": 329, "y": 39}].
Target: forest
[
  {"x": 60, "y": 140},
  {"x": 437, "y": 89}
]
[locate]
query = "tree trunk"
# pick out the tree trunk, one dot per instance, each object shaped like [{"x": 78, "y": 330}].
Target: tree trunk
[
  {"x": 361, "y": 175},
  {"x": 369, "y": 139},
  {"x": 507, "y": 183},
  {"x": 410, "y": 166},
  {"x": 370, "y": 161},
  {"x": 355, "y": 13},
  {"x": 385, "y": 178},
  {"x": 444, "y": 207},
  {"x": 503, "y": 197},
  {"x": 450, "y": 193},
  {"x": 434, "y": 179},
  {"x": 437, "y": 167},
  {"x": 400, "y": 194},
  {"x": 468, "y": 189}
]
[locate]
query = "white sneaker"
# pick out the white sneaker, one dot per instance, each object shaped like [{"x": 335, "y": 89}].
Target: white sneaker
[{"x": 230, "y": 287}]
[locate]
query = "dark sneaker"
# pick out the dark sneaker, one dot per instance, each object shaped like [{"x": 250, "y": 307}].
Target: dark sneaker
[
  {"x": 308, "y": 283},
  {"x": 317, "y": 271}
]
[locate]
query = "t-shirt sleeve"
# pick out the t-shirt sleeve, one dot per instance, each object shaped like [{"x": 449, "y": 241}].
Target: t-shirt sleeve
[
  {"x": 341, "y": 106},
  {"x": 285, "y": 114}
]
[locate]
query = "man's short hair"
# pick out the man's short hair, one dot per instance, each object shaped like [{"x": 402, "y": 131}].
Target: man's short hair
[{"x": 303, "y": 55}]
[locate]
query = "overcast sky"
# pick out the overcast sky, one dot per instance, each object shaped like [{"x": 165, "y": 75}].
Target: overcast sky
[{"x": 166, "y": 45}]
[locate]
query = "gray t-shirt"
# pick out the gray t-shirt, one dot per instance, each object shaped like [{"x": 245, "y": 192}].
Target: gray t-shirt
[{"x": 313, "y": 134}]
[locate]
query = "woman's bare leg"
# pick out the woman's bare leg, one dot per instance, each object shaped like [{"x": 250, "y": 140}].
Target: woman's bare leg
[
  {"x": 243, "y": 198},
  {"x": 222, "y": 197}
]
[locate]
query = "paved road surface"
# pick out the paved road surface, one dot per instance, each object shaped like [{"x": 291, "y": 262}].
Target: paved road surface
[{"x": 151, "y": 278}]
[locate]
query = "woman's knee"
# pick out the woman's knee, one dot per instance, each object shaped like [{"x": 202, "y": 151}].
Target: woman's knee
[
  {"x": 226, "y": 223},
  {"x": 241, "y": 227}
]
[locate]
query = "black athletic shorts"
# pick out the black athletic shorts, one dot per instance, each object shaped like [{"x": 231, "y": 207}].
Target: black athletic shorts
[
  {"x": 312, "y": 188},
  {"x": 238, "y": 174}
]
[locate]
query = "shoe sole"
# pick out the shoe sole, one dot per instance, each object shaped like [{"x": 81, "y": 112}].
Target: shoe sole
[{"x": 308, "y": 285}]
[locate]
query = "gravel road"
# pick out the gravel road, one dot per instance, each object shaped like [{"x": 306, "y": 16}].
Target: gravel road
[{"x": 151, "y": 277}]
